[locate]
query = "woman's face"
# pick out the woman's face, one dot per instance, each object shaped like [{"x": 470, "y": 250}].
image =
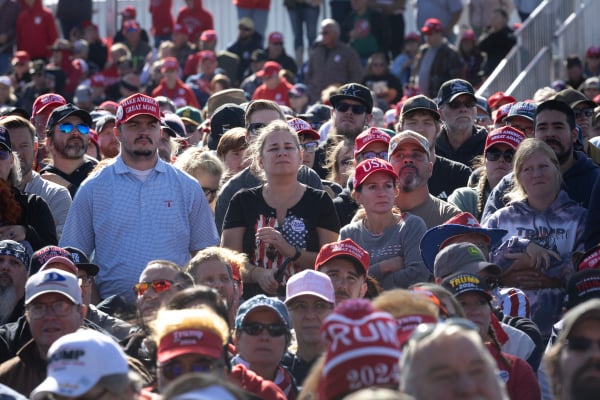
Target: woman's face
[
  {"x": 345, "y": 164},
  {"x": 501, "y": 153},
  {"x": 377, "y": 194},
  {"x": 539, "y": 176},
  {"x": 263, "y": 348},
  {"x": 477, "y": 310},
  {"x": 280, "y": 154},
  {"x": 209, "y": 184}
]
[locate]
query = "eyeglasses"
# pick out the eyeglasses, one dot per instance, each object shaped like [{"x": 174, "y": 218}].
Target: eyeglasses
[
  {"x": 59, "y": 308},
  {"x": 254, "y": 127},
  {"x": 458, "y": 104},
  {"x": 175, "y": 370},
  {"x": 526, "y": 130},
  {"x": 587, "y": 112},
  {"x": 208, "y": 192},
  {"x": 256, "y": 328},
  {"x": 367, "y": 155},
  {"x": 68, "y": 127},
  {"x": 85, "y": 281},
  {"x": 581, "y": 343},
  {"x": 356, "y": 108},
  {"x": 310, "y": 147},
  {"x": 4, "y": 154},
  {"x": 159, "y": 286},
  {"x": 494, "y": 155}
]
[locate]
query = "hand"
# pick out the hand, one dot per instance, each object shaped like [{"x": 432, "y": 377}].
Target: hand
[
  {"x": 266, "y": 280},
  {"x": 540, "y": 258},
  {"x": 272, "y": 237},
  {"x": 49, "y": 176},
  {"x": 391, "y": 265},
  {"x": 13, "y": 232}
]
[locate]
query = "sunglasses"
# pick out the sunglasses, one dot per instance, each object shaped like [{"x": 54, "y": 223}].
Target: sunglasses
[
  {"x": 356, "y": 108},
  {"x": 367, "y": 155},
  {"x": 310, "y": 147},
  {"x": 254, "y": 127},
  {"x": 458, "y": 104},
  {"x": 68, "y": 127},
  {"x": 587, "y": 112},
  {"x": 4, "y": 154},
  {"x": 581, "y": 343},
  {"x": 494, "y": 155},
  {"x": 159, "y": 286},
  {"x": 256, "y": 328}
]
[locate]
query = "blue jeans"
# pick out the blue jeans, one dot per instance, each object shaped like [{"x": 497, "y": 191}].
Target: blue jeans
[
  {"x": 300, "y": 16},
  {"x": 260, "y": 18}
]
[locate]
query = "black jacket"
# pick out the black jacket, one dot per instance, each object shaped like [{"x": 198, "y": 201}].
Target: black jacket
[{"x": 464, "y": 154}]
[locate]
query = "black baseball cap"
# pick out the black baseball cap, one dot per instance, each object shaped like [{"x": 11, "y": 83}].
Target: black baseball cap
[
  {"x": 82, "y": 261},
  {"x": 420, "y": 102},
  {"x": 453, "y": 88},
  {"x": 62, "y": 112},
  {"x": 225, "y": 117},
  {"x": 353, "y": 91}
]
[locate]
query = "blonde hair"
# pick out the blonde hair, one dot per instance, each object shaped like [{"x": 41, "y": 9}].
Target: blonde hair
[
  {"x": 202, "y": 318},
  {"x": 527, "y": 148},
  {"x": 255, "y": 150},
  {"x": 231, "y": 258},
  {"x": 402, "y": 302},
  {"x": 195, "y": 160}
]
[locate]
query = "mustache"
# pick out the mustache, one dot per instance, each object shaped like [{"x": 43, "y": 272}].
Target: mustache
[
  {"x": 408, "y": 166},
  {"x": 550, "y": 141},
  {"x": 149, "y": 139}
]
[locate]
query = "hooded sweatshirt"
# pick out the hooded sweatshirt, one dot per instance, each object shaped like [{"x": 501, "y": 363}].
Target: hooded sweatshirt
[{"x": 36, "y": 30}]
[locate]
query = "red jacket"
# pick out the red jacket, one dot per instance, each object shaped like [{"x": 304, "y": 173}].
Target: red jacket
[
  {"x": 181, "y": 94},
  {"x": 257, "y": 4},
  {"x": 519, "y": 378},
  {"x": 36, "y": 30},
  {"x": 196, "y": 20},
  {"x": 253, "y": 383},
  {"x": 162, "y": 20},
  {"x": 279, "y": 95}
]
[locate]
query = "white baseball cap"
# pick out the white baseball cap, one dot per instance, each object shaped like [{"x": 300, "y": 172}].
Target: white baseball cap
[
  {"x": 77, "y": 361},
  {"x": 310, "y": 282},
  {"x": 53, "y": 280}
]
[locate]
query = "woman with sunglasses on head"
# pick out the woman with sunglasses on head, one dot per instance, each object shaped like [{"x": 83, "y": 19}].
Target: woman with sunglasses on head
[
  {"x": 391, "y": 238},
  {"x": 498, "y": 153},
  {"x": 262, "y": 335},
  {"x": 24, "y": 218},
  {"x": 545, "y": 226},
  {"x": 281, "y": 224}
]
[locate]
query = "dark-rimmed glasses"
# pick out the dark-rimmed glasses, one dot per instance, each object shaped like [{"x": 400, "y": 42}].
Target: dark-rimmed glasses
[
  {"x": 309, "y": 147},
  {"x": 256, "y": 328},
  {"x": 159, "y": 286},
  {"x": 68, "y": 127},
  {"x": 59, "y": 308},
  {"x": 587, "y": 112},
  {"x": 458, "y": 104}
]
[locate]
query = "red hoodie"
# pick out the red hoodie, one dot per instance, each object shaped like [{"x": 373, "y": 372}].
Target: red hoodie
[
  {"x": 196, "y": 20},
  {"x": 162, "y": 20},
  {"x": 36, "y": 30}
]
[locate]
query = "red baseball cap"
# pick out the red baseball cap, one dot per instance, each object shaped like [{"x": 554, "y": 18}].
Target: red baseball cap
[
  {"x": 432, "y": 25},
  {"x": 370, "y": 166},
  {"x": 414, "y": 36},
  {"x": 507, "y": 135},
  {"x": 343, "y": 248},
  {"x": 129, "y": 12},
  {"x": 169, "y": 63},
  {"x": 498, "y": 99},
  {"x": 207, "y": 55},
  {"x": 468, "y": 35},
  {"x": 189, "y": 341},
  {"x": 368, "y": 136},
  {"x": 47, "y": 102},
  {"x": 276, "y": 37},
  {"x": 137, "y": 104},
  {"x": 21, "y": 57},
  {"x": 593, "y": 51},
  {"x": 269, "y": 68},
  {"x": 590, "y": 259},
  {"x": 208, "y": 35},
  {"x": 109, "y": 106},
  {"x": 97, "y": 80},
  {"x": 301, "y": 127}
]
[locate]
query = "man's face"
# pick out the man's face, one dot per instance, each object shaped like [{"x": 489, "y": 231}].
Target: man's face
[
  {"x": 412, "y": 165},
  {"x": 453, "y": 368},
  {"x": 307, "y": 312},
  {"x": 85, "y": 284},
  {"x": 422, "y": 122},
  {"x": 165, "y": 147},
  {"x": 329, "y": 34},
  {"x": 552, "y": 127},
  {"x": 521, "y": 123},
  {"x": 347, "y": 282},
  {"x": 68, "y": 145},
  {"x": 13, "y": 275},
  {"x": 139, "y": 137},
  {"x": 459, "y": 114},
  {"x": 215, "y": 274},
  {"x": 579, "y": 362},
  {"x": 584, "y": 115},
  {"x": 352, "y": 121},
  {"x": 109, "y": 144},
  {"x": 48, "y": 325},
  {"x": 263, "y": 117},
  {"x": 149, "y": 302},
  {"x": 22, "y": 143}
]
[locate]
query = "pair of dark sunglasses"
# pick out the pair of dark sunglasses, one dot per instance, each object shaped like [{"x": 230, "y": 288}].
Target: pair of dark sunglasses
[
  {"x": 495, "y": 154},
  {"x": 256, "y": 328},
  {"x": 356, "y": 108}
]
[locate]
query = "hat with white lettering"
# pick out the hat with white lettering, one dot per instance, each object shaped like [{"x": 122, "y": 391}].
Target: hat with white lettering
[
  {"x": 189, "y": 341},
  {"x": 363, "y": 349},
  {"x": 461, "y": 283},
  {"x": 77, "y": 361},
  {"x": 42, "y": 258},
  {"x": 368, "y": 136},
  {"x": 137, "y": 104},
  {"x": 346, "y": 248},
  {"x": 504, "y": 135},
  {"x": 309, "y": 283},
  {"x": 368, "y": 167},
  {"x": 53, "y": 281}
]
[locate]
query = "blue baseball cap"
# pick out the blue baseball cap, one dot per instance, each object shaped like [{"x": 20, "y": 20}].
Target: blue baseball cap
[{"x": 262, "y": 301}]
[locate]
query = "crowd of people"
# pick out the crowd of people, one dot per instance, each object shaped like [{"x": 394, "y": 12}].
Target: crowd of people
[{"x": 178, "y": 222}]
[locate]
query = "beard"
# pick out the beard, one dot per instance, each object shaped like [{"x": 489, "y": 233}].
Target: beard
[
  {"x": 8, "y": 301},
  {"x": 410, "y": 181},
  {"x": 562, "y": 153},
  {"x": 586, "y": 387},
  {"x": 73, "y": 149}
]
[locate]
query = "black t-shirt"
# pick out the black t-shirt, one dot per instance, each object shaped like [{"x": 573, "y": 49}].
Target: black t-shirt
[
  {"x": 447, "y": 175},
  {"x": 76, "y": 177},
  {"x": 248, "y": 209},
  {"x": 298, "y": 367}
]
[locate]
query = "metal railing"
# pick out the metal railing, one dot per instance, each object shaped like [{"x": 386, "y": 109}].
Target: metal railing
[{"x": 558, "y": 28}]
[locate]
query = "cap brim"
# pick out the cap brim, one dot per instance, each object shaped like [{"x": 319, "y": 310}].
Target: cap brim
[
  {"x": 51, "y": 386},
  {"x": 310, "y": 132},
  {"x": 378, "y": 140},
  {"x": 208, "y": 351},
  {"x": 434, "y": 112},
  {"x": 374, "y": 171},
  {"x": 90, "y": 269},
  {"x": 455, "y": 96},
  {"x": 434, "y": 237},
  {"x": 588, "y": 103},
  {"x": 62, "y": 260},
  {"x": 338, "y": 97},
  {"x": 189, "y": 121},
  {"x": 360, "y": 268},
  {"x": 35, "y": 296},
  {"x": 256, "y": 307},
  {"x": 501, "y": 141},
  {"x": 308, "y": 293},
  {"x": 84, "y": 115}
]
